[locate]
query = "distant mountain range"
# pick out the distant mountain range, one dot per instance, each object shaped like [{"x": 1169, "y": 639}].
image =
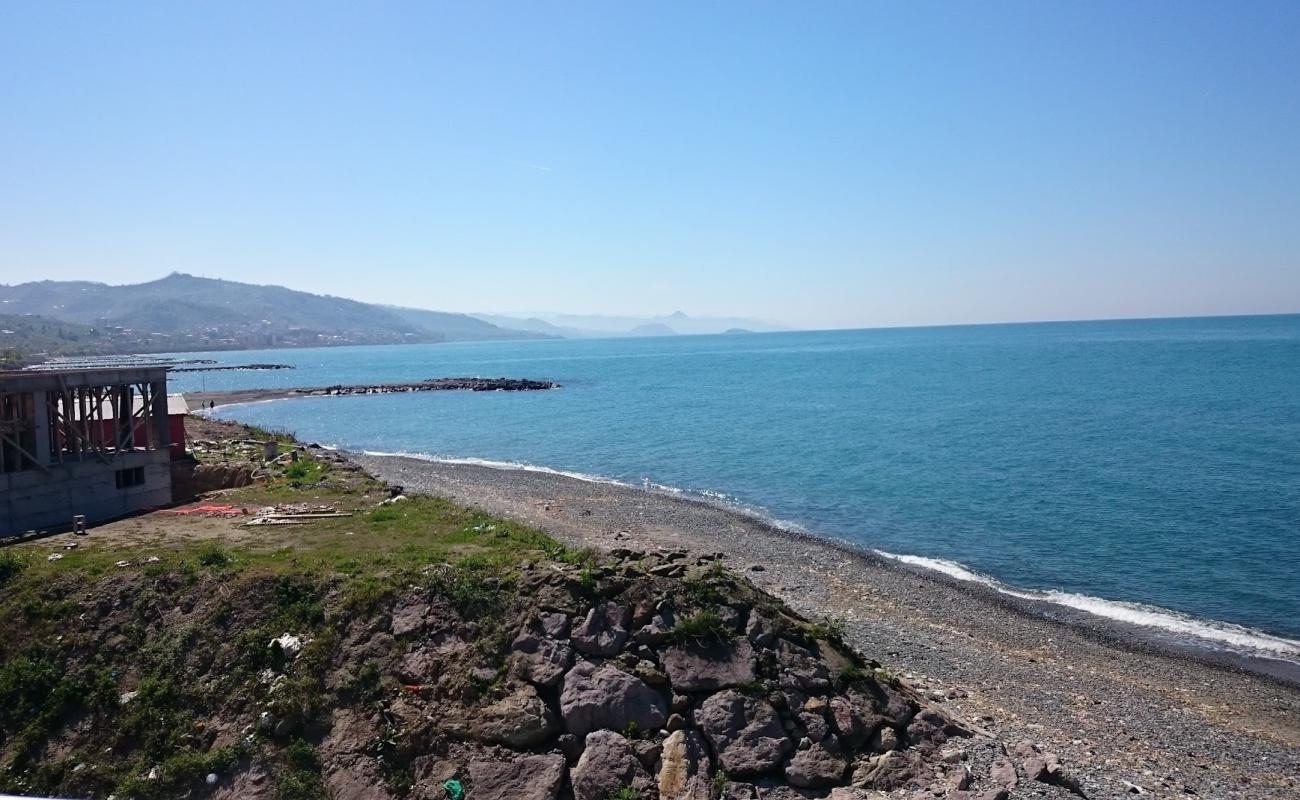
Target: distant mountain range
[{"x": 186, "y": 313}]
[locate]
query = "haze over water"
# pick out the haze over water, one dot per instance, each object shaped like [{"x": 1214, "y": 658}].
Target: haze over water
[{"x": 1154, "y": 462}]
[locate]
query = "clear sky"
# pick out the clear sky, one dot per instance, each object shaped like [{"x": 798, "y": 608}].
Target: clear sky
[{"x": 819, "y": 164}]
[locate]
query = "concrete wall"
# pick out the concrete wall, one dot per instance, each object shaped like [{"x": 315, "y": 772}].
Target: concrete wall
[{"x": 36, "y": 500}]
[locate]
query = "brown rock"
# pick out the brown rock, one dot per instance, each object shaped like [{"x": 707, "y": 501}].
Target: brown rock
[
  {"x": 603, "y": 632},
  {"x": 606, "y": 697},
  {"x": 521, "y": 720},
  {"x": 526, "y": 778},
  {"x": 801, "y": 669},
  {"x": 410, "y": 618},
  {"x": 685, "y": 772},
  {"x": 817, "y": 767},
  {"x": 709, "y": 666},
  {"x": 1003, "y": 773},
  {"x": 745, "y": 733},
  {"x": 608, "y": 764},
  {"x": 540, "y": 660}
]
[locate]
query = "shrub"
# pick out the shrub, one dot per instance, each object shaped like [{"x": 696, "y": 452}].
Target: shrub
[
  {"x": 11, "y": 564},
  {"x": 831, "y": 629},
  {"x": 212, "y": 554},
  {"x": 701, "y": 626},
  {"x": 851, "y": 674}
]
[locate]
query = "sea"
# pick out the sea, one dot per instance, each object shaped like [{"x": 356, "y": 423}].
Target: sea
[{"x": 1146, "y": 471}]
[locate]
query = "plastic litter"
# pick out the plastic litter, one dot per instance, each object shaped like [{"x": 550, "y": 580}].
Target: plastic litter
[
  {"x": 54, "y": 557},
  {"x": 454, "y": 790}
]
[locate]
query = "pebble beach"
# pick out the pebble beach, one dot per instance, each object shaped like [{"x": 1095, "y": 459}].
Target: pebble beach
[{"x": 1137, "y": 716}]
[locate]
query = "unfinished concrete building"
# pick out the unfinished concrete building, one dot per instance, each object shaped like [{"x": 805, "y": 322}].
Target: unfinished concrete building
[{"x": 92, "y": 442}]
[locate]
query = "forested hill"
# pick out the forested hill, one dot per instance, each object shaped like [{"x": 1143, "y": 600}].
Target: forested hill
[{"x": 184, "y": 312}]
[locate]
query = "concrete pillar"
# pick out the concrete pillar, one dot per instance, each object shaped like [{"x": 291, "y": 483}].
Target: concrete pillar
[
  {"x": 41, "y": 416},
  {"x": 161, "y": 425}
]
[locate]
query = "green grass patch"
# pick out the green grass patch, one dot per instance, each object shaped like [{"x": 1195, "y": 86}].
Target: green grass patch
[
  {"x": 699, "y": 628},
  {"x": 11, "y": 565}
]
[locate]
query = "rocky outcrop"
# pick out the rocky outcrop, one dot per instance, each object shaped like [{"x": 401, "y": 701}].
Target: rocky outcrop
[
  {"x": 684, "y": 771},
  {"x": 820, "y": 765},
  {"x": 525, "y": 778},
  {"x": 605, "y": 696},
  {"x": 710, "y": 666},
  {"x": 539, "y": 659},
  {"x": 603, "y": 632},
  {"x": 745, "y": 732},
  {"x": 520, "y": 720},
  {"x": 613, "y": 679},
  {"x": 608, "y": 765}
]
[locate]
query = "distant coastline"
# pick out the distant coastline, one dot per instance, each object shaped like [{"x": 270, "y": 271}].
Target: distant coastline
[{"x": 237, "y": 396}]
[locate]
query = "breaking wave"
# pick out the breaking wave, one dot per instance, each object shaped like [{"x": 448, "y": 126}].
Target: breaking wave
[{"x": 1212, "y": 633}]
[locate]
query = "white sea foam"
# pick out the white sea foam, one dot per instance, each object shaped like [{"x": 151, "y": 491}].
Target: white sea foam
[
  {"x": 518, "y": 466},
  {"x": 1211, "y": 633}
]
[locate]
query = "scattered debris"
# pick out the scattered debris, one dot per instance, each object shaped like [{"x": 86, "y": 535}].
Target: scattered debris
[
  {"x": 209, "y": 510},
  {"x": 54, "y": 557}
]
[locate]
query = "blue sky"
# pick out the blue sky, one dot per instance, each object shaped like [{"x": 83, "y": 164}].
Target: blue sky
[{"x": 819, "y": 164}]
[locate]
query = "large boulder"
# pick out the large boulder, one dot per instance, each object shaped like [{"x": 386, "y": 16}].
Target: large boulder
[
  {"x": 410, "y": 617},
  {"x": 854, "y": 719},
  {"x": 930, "y": 728},
  {"x": 606, "y": 697},
  {"x": 608, "y": 764},
  {"x": 745, "y": 732},
  {"x": 540, "y": 660},
  {"x": 894, "y": 770},
  {"x": 801, "y": 669},
  {"x": 709, "y": 666},
  {"x": 817, "y": 767},
  {"x": 520, "y": 720},
  {"x": 526, "y": 778},
  {"x": 603, "y": 632},
  {"x": 684, "y": 769}
]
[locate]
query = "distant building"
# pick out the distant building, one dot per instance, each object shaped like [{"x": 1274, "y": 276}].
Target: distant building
[{"x": 92, "y": 442}]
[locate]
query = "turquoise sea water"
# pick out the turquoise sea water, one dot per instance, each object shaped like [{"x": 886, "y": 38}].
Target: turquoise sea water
[{"x": 1145, "y": 470}]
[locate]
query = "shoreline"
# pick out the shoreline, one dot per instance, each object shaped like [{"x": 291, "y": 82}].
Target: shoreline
[
  {"x": 994, "y": 657},
  {"x": 1107, "y": 628}
]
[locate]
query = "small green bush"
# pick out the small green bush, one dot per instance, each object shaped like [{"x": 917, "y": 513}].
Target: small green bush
[
  {"x": 702, "y": 626},
  {"x": 304, "y": 472},
  {"x": 852, "y": 673},
  {"x": 11, "y": 565},
  {"x": 831, "y": 629},
  {"x": 212, "y": 554}
]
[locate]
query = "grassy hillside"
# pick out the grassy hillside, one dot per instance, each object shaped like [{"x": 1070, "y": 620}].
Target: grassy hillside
[
  {"x": 183, "y": 312},
  {"x": 418, "y": 649},
  {"x": 24, "y": 336}
]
